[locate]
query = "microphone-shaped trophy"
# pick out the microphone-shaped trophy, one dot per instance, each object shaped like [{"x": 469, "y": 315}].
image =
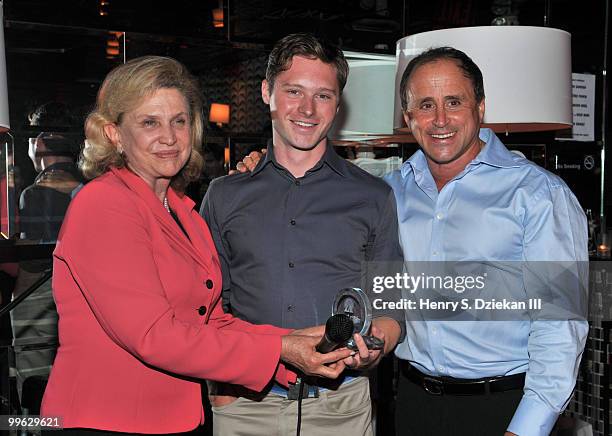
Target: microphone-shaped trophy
[{"x": 355, "y": 304}]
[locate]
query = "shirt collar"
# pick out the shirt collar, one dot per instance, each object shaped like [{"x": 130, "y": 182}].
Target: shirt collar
[
  {"x": 493, "y": 153},
  {"x": 330, "y": 158},
  {"x": 417, "y": 163}
]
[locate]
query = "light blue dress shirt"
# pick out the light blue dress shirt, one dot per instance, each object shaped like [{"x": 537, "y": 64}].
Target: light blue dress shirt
[{"x": 500, "y": 208}]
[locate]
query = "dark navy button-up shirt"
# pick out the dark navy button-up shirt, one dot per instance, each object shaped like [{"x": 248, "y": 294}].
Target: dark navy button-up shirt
[{"x": 288, "y": 245}]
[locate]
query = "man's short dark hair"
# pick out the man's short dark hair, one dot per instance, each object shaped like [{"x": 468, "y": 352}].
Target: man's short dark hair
[
  {"x": 310, "y": 47},
  {"x": 57, "y": 125},
  {"x": 470, "y": 70}
]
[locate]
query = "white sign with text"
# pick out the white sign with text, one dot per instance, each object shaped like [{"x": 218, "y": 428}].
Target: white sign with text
[{"x": 583, "y": 108}]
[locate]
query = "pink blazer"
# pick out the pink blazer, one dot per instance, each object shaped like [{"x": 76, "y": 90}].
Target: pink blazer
[{"x": 139, "y": 314}]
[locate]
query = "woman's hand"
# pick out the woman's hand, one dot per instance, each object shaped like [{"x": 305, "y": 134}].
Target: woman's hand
[
  {"x": 316, "y": 331},
  {"x": 300, "y": 352}
]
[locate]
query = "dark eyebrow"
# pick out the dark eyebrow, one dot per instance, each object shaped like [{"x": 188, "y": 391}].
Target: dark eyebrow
[
  {"x": 423, "y": 100},
  {"x": 296, "y": 85},
  {"x": 460, "y": 97},
  {"x": 455, "y": 97},
  {"x": 290, "y": 85},
  {"x": 331, "y": 91}
]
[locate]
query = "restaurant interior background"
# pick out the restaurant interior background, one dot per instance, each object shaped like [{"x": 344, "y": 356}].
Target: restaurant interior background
[{"x": 60, "y": 50}]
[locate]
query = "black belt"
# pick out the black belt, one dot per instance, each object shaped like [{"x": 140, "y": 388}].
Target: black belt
[{"x": 455, "y": 386}]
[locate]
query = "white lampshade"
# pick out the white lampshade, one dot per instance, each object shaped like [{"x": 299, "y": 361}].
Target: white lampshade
[
  {"x": 4, "y": 108},
  {"x": 366, "y": 109},
  {"x": 527, "y": 73}
]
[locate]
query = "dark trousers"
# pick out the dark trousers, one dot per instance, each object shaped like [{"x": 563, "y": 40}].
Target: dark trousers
[{"x": 418, "y": 413}]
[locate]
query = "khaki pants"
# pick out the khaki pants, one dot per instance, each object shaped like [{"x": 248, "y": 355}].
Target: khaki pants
[{"x": 344, "y": 412}]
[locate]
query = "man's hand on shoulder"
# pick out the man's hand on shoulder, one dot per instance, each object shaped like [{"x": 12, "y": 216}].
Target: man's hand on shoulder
[{"x": 249, "y": 162}]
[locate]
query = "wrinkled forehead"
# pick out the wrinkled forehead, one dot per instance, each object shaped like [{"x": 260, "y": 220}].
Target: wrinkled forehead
[
  {"x": 441, "y": 77},
  {"x": 132, "y": 102}
]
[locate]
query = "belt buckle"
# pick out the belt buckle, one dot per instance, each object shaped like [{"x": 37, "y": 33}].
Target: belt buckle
[
  {"x": 432, "y": 386},
  {"x": 294, "y": 390}
]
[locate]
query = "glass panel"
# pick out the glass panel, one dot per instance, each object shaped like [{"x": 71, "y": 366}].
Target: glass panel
[
  {"x": 7, "y": 187},
  {"x": 8, "y": 392},
  {"x": 28, "y": 342}
]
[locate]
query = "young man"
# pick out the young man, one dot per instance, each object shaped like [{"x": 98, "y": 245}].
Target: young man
[{"x": 294, "y": 233}]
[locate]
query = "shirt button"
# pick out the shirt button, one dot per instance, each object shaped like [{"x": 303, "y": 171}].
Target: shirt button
[
  {"x": 290, "y": 308},
  {"x": 439, "y": 215},
  {"x": 434, "y": 330},
  {"x": 435, "y": 253},
  {"x": 441, "y": 368},
  {"x": 297, "y": 182},
  {"x": 292, "y": 222},
  {"x": 291, "y": 264},
  {"x": 202, "y": 310},
  {"x": 209, "y": 284}
]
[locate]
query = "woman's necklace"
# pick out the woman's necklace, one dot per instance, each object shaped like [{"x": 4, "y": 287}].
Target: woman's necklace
[{"x": 166, "y": 204}]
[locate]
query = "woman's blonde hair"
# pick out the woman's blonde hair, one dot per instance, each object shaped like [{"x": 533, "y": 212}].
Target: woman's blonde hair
[{"x": 123, "y": 89}]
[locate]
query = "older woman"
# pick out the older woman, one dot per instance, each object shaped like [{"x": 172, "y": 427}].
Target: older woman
[{"x": 136, "y": 276}]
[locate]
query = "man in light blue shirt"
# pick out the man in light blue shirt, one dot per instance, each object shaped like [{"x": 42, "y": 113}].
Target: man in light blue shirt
[{"x": 465, "y": 197}]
